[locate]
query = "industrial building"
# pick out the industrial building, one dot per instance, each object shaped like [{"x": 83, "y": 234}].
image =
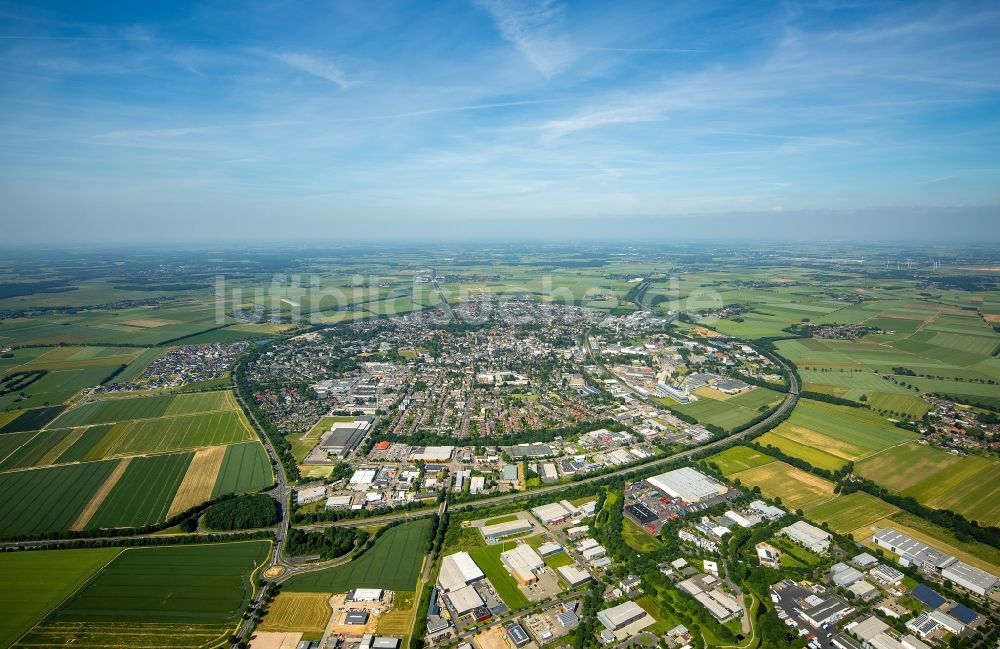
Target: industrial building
[
  {"x": 517, "y": 634},
  {"x": 522, "y": 562},
  {"x": 573, "y": 575},
  {"x": 971, "y": 578},
  {"x": 844, "y": 575},
  {"x": 623, "y": 615},
  {"x": 912, "y": 552},
  {"x": 688, "y": 484},
  {"x": 522, "y": 451},
  {"x": 344, "y": 437},
  {"x": 549, "y": 548},
  {"x": 365, "y": 595},
  {"x": 431, "y": 453},
  {"x": 494, "y": 533},
  {"x": 808, "y": 536},
  {"x": 357, "y": 618},
  {"x": 464, "y": 599},
  {"x": 457, "y": 571},
  {"x": 828, "y": 611},
  {"x": 551, "y": 513}
]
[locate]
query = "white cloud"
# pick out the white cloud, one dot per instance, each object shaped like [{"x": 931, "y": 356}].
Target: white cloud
[
  {"x": 316, "y": 66},
  {"x": 535, "y": 28}
]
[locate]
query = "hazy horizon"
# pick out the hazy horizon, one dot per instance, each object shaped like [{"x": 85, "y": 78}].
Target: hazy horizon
[{"x": 503, "y": 120}]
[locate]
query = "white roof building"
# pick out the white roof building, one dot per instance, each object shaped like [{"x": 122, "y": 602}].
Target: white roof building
[
  {"x": 970, "y": 577},
  {"x": 457, "y": 571},
  {"x": 464, "y": 599},
  {"x": 431, "y": 453},
  {"x": 808, "y": 536},
  {"x": 522, "y": 562},
  {"x": 573, "y": 575},
  {"x": 623, "y": 615},
  {"x": 551, "y": 513},
  {"x": 363, "y": 477},
  {"x": 688, "y": 484}
]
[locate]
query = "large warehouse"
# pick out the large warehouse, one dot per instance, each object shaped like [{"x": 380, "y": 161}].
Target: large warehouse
[
  {"x": 970, "y": 577},
  {"x": 911, "y": 551},
  {"x": 688, "y": 485},
  {"x": 522, "y": 562},
  {"x": 458, "y": 571},
  {"x": 618, "y": 617}
]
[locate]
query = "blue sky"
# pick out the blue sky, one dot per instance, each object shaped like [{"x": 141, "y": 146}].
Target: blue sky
[{"x": 330, "y": 120}]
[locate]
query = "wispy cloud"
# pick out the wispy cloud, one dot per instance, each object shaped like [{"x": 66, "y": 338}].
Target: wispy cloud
[
  {"x": 317, "y": 66},
  {"x": 535, "y": 28}
]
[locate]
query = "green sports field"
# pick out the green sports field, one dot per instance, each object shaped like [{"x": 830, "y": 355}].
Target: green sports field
[
  {"x": 37, "y": 582},
  {"x": 392, "y": 563}
]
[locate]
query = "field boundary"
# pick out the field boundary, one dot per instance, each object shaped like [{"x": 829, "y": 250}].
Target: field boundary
[
  {"x": 199, "y": 480},
  {"x": 98, "y": 498}
]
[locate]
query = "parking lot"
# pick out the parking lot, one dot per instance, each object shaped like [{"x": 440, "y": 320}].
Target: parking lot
[{"x": 787, "y": 597}]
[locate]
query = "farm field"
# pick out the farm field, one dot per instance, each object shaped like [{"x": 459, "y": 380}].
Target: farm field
[
  {"x": 175, "y": 596},
  {"x": 143, "y": 494},
  {"x": 828, "y": 435},
  {"x": 968, "y": 485},
  {"x": 33, "y": 419},
  {"x": 847, "y": 513},
  {"x": 392, "y": 563},
  {"x": 107, "y": 411},
  {"x": 57, "y": 386},
  {"x": 171, "y": 434},
  {"x": 739, "y": 458},
  {"x": 796, "y": 488},
  {"x": 139, "y": 364},
  {"x": 37, "y": 582},
  {"x": 307, "y": 612},
  {"x": 245, "y": 467},
  {"x": 40, "y": 449},
  {"x": 38, "y": 501},
  {"x": 730, "y": 412}
]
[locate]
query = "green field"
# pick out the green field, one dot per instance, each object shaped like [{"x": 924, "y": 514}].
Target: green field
[
  {"x": 728, "y": 413},
  {"x": 37, "y": 582},
  {"x": 33, "y": 419},
  {"x": 828, "y": 436},
  {"x": 848, "y": 513},
  {"x": 796, "y": 488},
  {"x": 57, "y": 386},
  {"x": 245, "y": 467},
  {"x": 392, "y": 563},
  {"x": 139, "y": 365},
  {"x": 172, "y": 434},
  {"x": 48, "y": 500},
  {"x": 157, "y": 598},
  {"x": 109, "y": 411},
  {"x": 43, "y": 448},
  {"x": 488, "y": 559},
  {"x": 967, "y": 485},
  {"x": 739, "y": 458},
  {"x": 143, "y": 494},
  {"x": 638, "y": 538}
]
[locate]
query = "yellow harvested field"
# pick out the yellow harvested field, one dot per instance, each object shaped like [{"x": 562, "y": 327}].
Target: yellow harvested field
[
  {"x": 398, "y": 621},
  {"x": 199, "y": 480},
  {"x": 274, "y": 640},
  {"x": 305, "y": 612},
  {"x": 797, "y": 489},
  {"x": 712, "y": 393},
  {"x": 98, "y": 498}
]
